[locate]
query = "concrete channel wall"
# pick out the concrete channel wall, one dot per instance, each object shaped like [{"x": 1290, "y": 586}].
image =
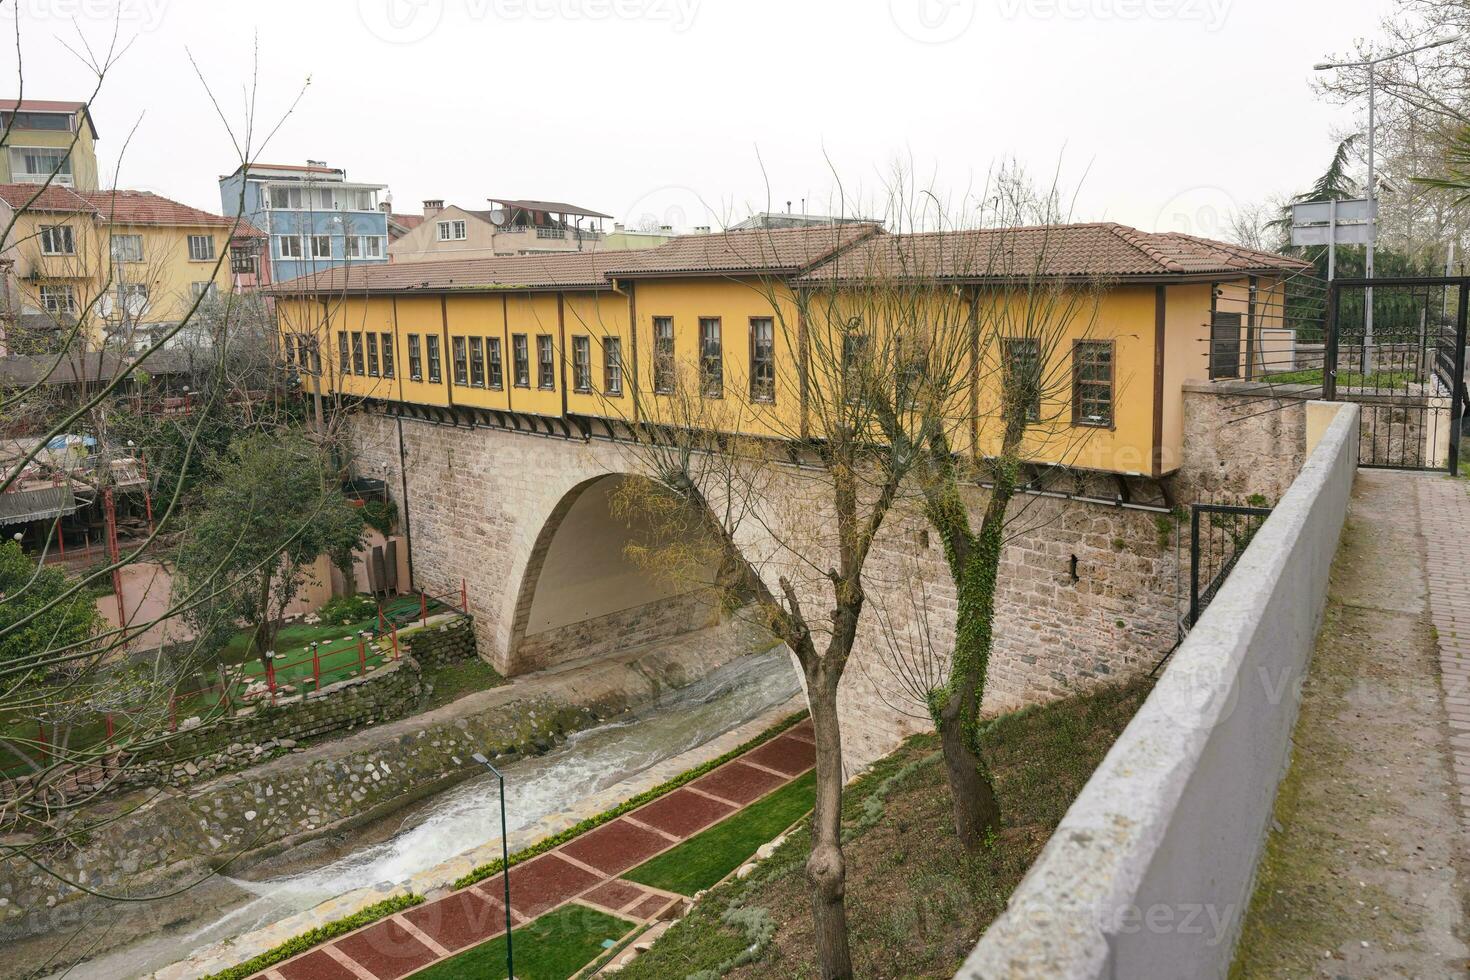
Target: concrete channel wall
[{"x": 1150, "y": 872}]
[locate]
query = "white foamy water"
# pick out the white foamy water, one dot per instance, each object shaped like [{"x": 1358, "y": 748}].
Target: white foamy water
[{"x": 468, "y": 815}]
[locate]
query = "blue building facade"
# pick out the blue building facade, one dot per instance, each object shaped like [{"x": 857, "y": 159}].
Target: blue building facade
[{"x": 313, "y": 218}]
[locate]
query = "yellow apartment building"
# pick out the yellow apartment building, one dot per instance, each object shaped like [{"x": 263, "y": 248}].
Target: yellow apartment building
[
  {"x": 127, "y": 264},
  {"x": 46, "y": 140},
  {"x": 581, "y": 343}
]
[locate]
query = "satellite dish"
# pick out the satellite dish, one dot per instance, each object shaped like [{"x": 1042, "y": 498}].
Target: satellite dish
[{"x": 497, "y": 217}]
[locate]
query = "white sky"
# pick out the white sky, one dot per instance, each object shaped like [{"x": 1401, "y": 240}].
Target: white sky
[{"x": 1168, "y": 112}]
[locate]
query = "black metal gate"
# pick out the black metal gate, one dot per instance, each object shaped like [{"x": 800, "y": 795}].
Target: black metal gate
[
  {"x": 1218, "y": 533},
  {"x": 1397, "y": 348}
]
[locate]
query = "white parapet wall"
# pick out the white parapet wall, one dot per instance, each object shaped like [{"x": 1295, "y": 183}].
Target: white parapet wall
[{"x": 1149, "y": 874}]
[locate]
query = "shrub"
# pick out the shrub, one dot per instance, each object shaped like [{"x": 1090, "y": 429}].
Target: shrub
[{"x": 348, "y": 608}]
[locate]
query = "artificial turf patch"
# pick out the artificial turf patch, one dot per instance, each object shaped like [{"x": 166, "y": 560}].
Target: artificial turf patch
[
  {"x": 553, "y": 947},
  {"x": 705, "y": 858}
]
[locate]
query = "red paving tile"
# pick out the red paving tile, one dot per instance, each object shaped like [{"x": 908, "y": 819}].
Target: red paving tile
[
  {"x": 317, "y": 965},
  {"x": 612, "y": 848},
  {"x": 802, "y": 729},
  {"x": 387, "y": 950},
  {"x": 683, "y": 813},
  {"x": 615, "y": 894},
  {"x": 738, "y": 783},
  {"x": 542, "y": 883},
  {"x": 462, "y": 918},
  {"x": 785, "y": 754},
  {"x": 649, "y": 907}
]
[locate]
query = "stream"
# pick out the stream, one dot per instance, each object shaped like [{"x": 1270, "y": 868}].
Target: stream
[{"x": 466, "y": 816}]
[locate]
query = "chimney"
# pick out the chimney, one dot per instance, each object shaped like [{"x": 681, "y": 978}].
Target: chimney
[
  {"x": 617, "y": 227},
  {"x": 665, "y": 229},
  {"x": 433, "y": 206},
  {"x": 701, "y": 229}
]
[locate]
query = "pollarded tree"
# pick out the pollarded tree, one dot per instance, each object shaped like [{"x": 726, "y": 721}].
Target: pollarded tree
[{"x": 274, "y": 505}]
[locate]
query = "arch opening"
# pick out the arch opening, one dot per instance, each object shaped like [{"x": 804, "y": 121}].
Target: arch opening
[{"x": 583, "y": 596}]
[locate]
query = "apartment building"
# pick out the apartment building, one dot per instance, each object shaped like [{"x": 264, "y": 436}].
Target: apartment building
[
  {"x": 48, "y": 140},
  {"x": 313, "y": 218},
  {"x": 506, "y": 228}
]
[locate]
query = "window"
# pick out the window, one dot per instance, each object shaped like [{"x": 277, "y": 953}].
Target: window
[
  {"x": 477, "y": 362},
  {"x": 663, "y": 354},
  {"x": 433, "y": 342},
  {"x": 372, "y": 355},
  {"x": 363, "y": 246},
  {"x": 34, "y": 164},
  {"x": 415, "y": 360},
  {"x": 582, "y": 363},
  {"x": 201, "y": 248},
  {"x": 321, "y": 246},
  {"x": 1021, "y": 373},
  {"x": 127, "y": 248},
  {"x": 285, "y": 197},
  {"x": 58, "y": 299},
  {"x": 58, "y": 122},
  {"x": 132, "y": 299},
  {"x": 57, "y": 240},
  {"x": 451, "y": 231},
  {"x": 762, "y": 359},
  {"x": 345, "y": 363},
  {"x": 387, "y": 355},
  {"x": 358, "y": 367},
  {"x": 522, "y": 356},
  {"x": 288, "y": 247},
  {"x": 492, "y": 349},
  {"x": 546, "y": 362},
  {"x": 461, "y": 362},
  {"x": 854, "y": 364},
  {"x": 711, "y": 358},
  {"x": 242, "y": 261},
  {"x": 1092, "y": 383},
  {"x": 206, "y": 289},
  {"x": 612, "y": 365},
  {"x": 913, "y": 368}
]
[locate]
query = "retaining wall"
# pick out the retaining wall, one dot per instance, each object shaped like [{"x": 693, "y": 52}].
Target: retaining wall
[{"x": 1150, "y": 872}]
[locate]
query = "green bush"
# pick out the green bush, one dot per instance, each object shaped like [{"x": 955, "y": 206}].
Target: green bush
[
  {"x": 348, "y": 609},
  {"x": 381, "y": 515}
]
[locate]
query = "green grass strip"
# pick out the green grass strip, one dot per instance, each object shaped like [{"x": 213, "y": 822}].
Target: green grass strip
[
  {"x": 552, "y": 947},
  {"x": 317, "y": 936},
  {"x": 542, "y": 846},
  {"x": 707, "y": 857}
]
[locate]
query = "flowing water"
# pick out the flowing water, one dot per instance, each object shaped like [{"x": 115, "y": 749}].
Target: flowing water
[{"x": 467, "y": 816}]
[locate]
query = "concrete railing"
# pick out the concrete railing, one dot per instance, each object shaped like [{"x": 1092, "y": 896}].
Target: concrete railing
[{"x": 1150, "y": 872}]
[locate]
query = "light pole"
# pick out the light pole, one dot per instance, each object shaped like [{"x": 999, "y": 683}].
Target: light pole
[
  {"x": 510, "y": 970},
  {"x": 1371, "y": 64}
]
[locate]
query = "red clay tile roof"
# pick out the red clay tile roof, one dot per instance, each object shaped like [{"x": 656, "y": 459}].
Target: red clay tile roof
[
  {"x": 566, "y": 270},
  {"x": 777, "y": 251},
  {"x": 408, "y": 221},
  {"x": 1102, "y": 250},
  {"x": 51, "y": 198},
  {"x": 125, "y": 207}
]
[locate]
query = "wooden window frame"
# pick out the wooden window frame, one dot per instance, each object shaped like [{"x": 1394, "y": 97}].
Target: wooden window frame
[
  {"x": 1078, "y": 384},
  {"x": 545, "y": 363},
  {"x": 436, "y": 364},
  {"x": 712, "y": 381},
  {"x": 612, "y": 367},
  {"x": 477, "y": 362},
  {"x": 415, "y": 359},
  {"x": 460, "y": 352},
  {"x": 494, "y": 364},
  {"x": 359, "y": 360},
  {"x": 1008, "y": 365},
  {"x": 387, "y": 354},
  {"x": 520, "y": 355},
  {"x": 344, "y": 361},
  {"x": 762, "y": 393},
  {"x": 372, "y": 354},
  {"x": 663, "y": 356},
  {"x": 582, "y": 363}
]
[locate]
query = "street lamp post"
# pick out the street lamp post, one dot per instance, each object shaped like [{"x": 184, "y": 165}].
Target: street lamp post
[
  {"x": 510, "y": 971},
  {"x": 1370, "y": 64}
]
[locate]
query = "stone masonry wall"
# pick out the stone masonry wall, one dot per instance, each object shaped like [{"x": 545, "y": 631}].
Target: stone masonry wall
[
  {"x": 478, "y": 499},
  {"x": 620, "y": 630}
]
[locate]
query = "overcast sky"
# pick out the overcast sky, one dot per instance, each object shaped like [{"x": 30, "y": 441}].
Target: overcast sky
[{"x": 1167, "y": 113}]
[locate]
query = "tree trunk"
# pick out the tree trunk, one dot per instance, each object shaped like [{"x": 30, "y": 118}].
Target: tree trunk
[
  {"x": 976, "y": 809},
  {"x": 825, "y": 867},
  {"x": 265, "y": 629}
]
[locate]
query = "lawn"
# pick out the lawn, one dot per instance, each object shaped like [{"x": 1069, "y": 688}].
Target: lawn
[
  {"x": 704, "y": 859},
  {"x": 553, "y": 947},
  {"x": 453, "y": 681},
  {"x": 1395, "y": 380},
  {"x": 916, "y": 902}
]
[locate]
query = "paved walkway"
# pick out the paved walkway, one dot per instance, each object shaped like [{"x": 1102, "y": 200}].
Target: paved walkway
[
  {"x": 584, "y": 870},
  {"x": 1360, "y": 873}
]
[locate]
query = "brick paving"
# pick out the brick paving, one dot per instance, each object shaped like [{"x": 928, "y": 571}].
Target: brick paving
[
  {"x": 1445, "y": 504},
  {"x": 583, "y": 870}
]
